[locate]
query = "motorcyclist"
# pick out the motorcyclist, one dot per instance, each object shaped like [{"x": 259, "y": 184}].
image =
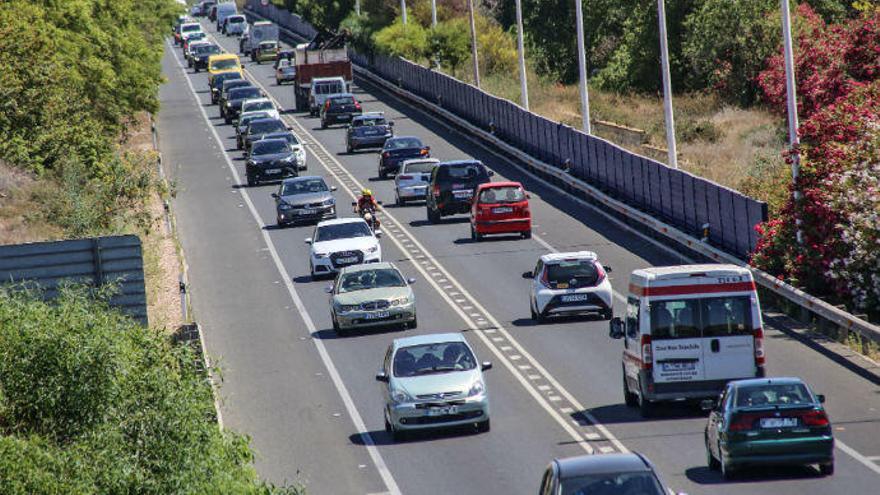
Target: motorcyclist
[{"x": 366, "y": 204}]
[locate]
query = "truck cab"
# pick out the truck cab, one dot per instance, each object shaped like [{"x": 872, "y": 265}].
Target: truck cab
[{"x": 688, "y": 331}]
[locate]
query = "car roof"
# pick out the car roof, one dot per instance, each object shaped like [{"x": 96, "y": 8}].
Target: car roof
[
  {"x": 685, "y": 271},
  {"x": 581, "y": 255},
  {"x": 459, "y": 162},
  {"x": 605, "y": 463},
  {"x": 431, "y": 338},
  {"x": 369, "y": 115},
  {"x": 340, "y": 94},
  {"x": 241, "y": 90},
  {"x": 260, "y": 99},
  {"x": 265, "y": 119},
  {"x": 490, "y": 185},
  {"x": 420, "y": 160},
  {"x": 224, "y": 56},
  {"x": 777, "y": 380},
  {"x": 291, "y": 180},
  {"x": 340, "y": 221},
  {"x": 271, "y": 140},
  {"x": 367, "y": 266}
]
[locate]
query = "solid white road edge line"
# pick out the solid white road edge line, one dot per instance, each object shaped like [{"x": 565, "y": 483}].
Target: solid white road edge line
[{"x": 373, "y": 451}]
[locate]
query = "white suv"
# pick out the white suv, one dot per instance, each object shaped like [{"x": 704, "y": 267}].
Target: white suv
[
  {"x": 570, "y": 284},
  {"x": 342, "y": 242},
  {"x": 260, "y": 105}
]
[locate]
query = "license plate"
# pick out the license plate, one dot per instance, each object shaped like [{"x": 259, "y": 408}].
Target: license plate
[
  {"x": 679, "y": 366},
  {"x": 272, "y": 171},
  {"x": 778, "y": 422},
  {"x": 574, "y": 297},
  {"x": 307, "y": 211},
  {"x": 463, "y": 193},
  {"x": 442, "y": 411},
  {"x": 372, "y": 132},
  {"x": 503, "y": 209},
  {"x": 377, "y": 315},
  {"x": 350, "y": 259}
]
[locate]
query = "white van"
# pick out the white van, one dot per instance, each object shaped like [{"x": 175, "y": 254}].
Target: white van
[
  {"x": 688, "y": 331},
  {"x": 225, "y": 10},
  {"x": 322, "y": 87}
]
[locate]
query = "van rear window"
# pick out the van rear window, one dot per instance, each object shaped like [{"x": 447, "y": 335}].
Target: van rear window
[
  {"x": 703, "y": 317},
  {"x": 328, "y": 88}
]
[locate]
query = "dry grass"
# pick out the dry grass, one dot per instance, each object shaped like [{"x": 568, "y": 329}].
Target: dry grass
[{"x": 19, "y": 214}]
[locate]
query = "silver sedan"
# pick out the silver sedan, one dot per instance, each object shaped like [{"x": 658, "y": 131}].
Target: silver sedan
[{"x": 411, "y": 181}]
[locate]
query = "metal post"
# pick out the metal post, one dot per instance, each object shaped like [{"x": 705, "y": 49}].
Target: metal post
[
  {"x": 791, "y": 102},
  {"x": 523, "y": 83},
  {"x": 403, "y": 10},
  {"x": 582, "y": 65},
  {"x": 667, "y": 87},
  {"x": 474, "y": 43},
  {"x": 357, "y": 7},
  {"x": 433, "y": 13}
]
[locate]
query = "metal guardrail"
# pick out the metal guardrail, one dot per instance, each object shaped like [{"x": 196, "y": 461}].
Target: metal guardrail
[{"x": 822, "y": 309}]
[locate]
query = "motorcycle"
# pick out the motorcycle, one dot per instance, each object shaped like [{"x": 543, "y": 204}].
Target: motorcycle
[{"x": 368, "y": 213}]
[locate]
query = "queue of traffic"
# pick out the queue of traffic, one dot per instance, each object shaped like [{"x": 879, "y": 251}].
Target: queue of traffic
[{"x": 689, "y": 333}]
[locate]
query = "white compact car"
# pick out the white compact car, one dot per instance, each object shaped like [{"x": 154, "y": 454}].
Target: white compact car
[
  {"x": 411, "y": 181},
  {"x": 342, "y": 242},
  {"x": 570, "y": 284},
  {"x": 261, "y": 105}
]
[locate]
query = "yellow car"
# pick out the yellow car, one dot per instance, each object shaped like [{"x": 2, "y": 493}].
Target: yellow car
[{"x": 224, "y": 62}]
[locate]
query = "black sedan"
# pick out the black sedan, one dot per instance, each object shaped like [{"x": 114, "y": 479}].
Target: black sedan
[
  {"x": 200, "y": 55},
  {"x": 369, "y": 130},
  {"x": 270, "y": 159},
  {"x": 228, "y": 86},
  {"x": 398, "y": 149},
  {"x": 340, "y": 107},
  {"x": 217, "y": 83},
  {"x": 234, "y": 100},
  {"x": 607, "y": 474},
  {"x": 258, "y": 129}
]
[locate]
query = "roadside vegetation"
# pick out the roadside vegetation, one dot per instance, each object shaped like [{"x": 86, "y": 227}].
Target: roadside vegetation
[
  {"x": 90, "y": 402},
  {"x": 726, "y": 65}
]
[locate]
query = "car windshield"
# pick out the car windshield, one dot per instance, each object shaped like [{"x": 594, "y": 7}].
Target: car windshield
[
  {"x": 270, "y": 147},
  {"x": 419, "y": 168},
  {"x": 502, "y": 195},
  {"x": 228, "y": 63},
  {"x": 368, "y": 122},
  {"x": 259, "y": 105},
  {"x": 370, "y": 279},
  {"x": 219, "y": 79},
  {"x": 402, "y": 143},
  {"x": 579, "y": 272},
  {"x": 191, "y": 28},
  {"x": 266, "y": 127},
  {"x": 426, "y": 359},
  {"x": 342, "y": 231},
  {"x": 244, "y": 93},
  {"x": 304, "y": 186},
  {"x": 236, "y": 83},
  {"x": 779, "y": 394},
  {"x": 462, "y": 171},
  {"x": 342, "y": 100},
  {"x": 207, "y": 49},
  {"x": 236, "y": 19},
  {"x": 639, "y": 483}
]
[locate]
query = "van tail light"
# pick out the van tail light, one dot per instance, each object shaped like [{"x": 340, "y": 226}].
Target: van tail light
[
  {"x": 814, "y": 418},
  {"x": 647, "y": 353},
  {"x": 759, "y": 347},
  {"x": 405, "y": 177}
]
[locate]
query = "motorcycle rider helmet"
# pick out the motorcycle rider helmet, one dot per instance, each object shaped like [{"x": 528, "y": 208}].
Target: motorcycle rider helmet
[{"x": 366, "y": 193}]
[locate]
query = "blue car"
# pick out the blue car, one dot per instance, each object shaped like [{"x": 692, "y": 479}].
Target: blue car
[
  {"x": 398, "y": 149},
  {"x": 369, "y": 130}
]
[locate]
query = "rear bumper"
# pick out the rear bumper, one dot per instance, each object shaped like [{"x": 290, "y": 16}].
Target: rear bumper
[
  {"x": 367, "y": 142},
  {"x": 332, "y": 118},
  {"x": 513, "y": 225},
  {"x": 262, "y": 176},
  {"x": 412, "y": 192},
  {"x": 685, "y": 390},
  {"x": 290, "y": 216},
  {"x": 454, "y": 207},
  {"x": 796, "y": 451}
]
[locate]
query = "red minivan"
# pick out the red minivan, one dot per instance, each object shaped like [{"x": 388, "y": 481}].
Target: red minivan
[{"x": 500, "y": 208}]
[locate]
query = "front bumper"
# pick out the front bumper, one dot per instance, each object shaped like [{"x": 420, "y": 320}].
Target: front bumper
[
  {"x": 366, "y": 319},
  {"x": 511, "y": 226},
  {"x": 324, "y": 265},
  {"x": 779, "y": 452},
  {"x": 299, "y": 215},
  {"x": 421, "y": 415}
]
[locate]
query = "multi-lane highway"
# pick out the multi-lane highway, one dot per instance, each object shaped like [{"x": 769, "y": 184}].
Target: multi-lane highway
[{"x": 308, "y": 398}]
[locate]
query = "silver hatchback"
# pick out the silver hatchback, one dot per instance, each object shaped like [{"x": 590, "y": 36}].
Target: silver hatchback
[
  {"x": 411, "y": 181},
  {"x": 432, "y": 381}
]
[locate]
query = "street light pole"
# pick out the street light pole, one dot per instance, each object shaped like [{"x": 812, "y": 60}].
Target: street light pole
[
  {"x": 667, "y": 87},
  {"x": 357, "y": 7},
  {"x": 474, "y": 43},
  {"x": 791, "y": 103},
  {"x": 433, "y": 13},
  {"x": 403, "y": 11},
  {"x": 523, "y": 83},
  {"x": 582, "y": 66}
]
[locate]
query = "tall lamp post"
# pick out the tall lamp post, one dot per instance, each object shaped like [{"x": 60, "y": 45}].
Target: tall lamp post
[
  {"x": 403, "y": 10},
  {"x": 523, "y": 83},
  {"x": 791, "y": 103},
  {"x": 667, "y": 87},
  {"x": 582, "y": 66},
  {"x": 474, "y": 43}
]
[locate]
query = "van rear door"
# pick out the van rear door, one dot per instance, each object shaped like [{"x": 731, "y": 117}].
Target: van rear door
[
  {"x": 676, "y": 341},
  {"x": 729, "y": 336}
]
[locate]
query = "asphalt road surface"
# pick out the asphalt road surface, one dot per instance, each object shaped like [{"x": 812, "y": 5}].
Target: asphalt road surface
[{"x": 309, "y": 399}]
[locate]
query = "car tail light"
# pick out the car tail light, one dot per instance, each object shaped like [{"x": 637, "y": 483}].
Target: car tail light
[
  {"x": 386, "y": 155},
  {"x": 759, "y": 347},
  {"x": 743, "y": 422},
  {"x": 814, "y": 418},
  {"x": 357, "y": 105},
  {"x": 647, "y": 353},
  {"x": 405, "y": 177},
  {"x": 436, "y": 190},
  {"x": 600, "y": 273}
]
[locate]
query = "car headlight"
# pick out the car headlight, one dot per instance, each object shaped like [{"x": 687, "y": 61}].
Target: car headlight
[
  {"x": 346, "y": 308},
  {"x": 320, "y": 255},
  {"x": 399, "y": 396},
  {"x": 372, "y": 249},
  {"x": 399, "y": 302},
  {"x": 228, "y": 104},
  {"x": 289, "y": 158},
  {"x": 284, "y": 206},
  {"x": 329, "y": 202},
  {"x": 476, "y": 389}
]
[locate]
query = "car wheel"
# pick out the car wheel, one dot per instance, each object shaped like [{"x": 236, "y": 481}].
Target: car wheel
[
  {"x": 608, "y": 314},
  {"x": 196, "y": 68},
  {"x": 398, "y": 435},
  {"x": 433, "y": 215},
  {"x": 727, "y": 471},
  {"x": 827, "y": 469},
  {"x": 532, "y": 311},
  {"x": 711, "y": 461},
  {"x": 227, "y": 119},
  {"x": 629, "y": 398},
  {"x": 388, "y": 427},
  {"x": 341, "y": 332},
  {"x": 527, "y": 234},
  {"x": 413, "y": 324},
  {"x": 280, "y": 223},
  {"x": 484, "y": 426},
  {"x": 238, "y": 144},
  {"x": 277, "y": 82},
  {"x": 312, "y": 272},
  {"x": 251, "y": 180},
  {"x": 646, "y": 407},
  {"x": 476, "y": 236}
]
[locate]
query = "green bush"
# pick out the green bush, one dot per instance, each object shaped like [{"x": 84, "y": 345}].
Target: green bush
[
  {"x": 91, "y": 402},
  {"x": 451, "y": 43},
  {"x": 409, "y": 41}
]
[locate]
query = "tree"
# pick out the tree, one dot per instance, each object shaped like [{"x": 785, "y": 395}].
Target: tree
[
  {"x": 409, "y": 41},
  {"x": 451, "y": 43}
]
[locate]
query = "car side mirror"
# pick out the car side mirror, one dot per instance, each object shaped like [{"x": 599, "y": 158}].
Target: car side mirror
[
  {"x": 289, "y": 128},
  {"x": 821, "y": 398},
  {"x": 486, "y": 365},
  {"x": 378, "y": 233},
  {"x": 275, "y": 195},
  {"x": 381, "y": 377},
  {"x": 410, "y": 280},
  {"x": 332, "y": 188},
  {"x": 616, "y": 328},
  {"x": 354, "y": 203},
  {"x": 491, "y": 173},
  {"x": 707, "y": 405},
  {"x": 528, "y": 275},
  {"x": 308, "y": 240},
  {"x": 328, "y": 289},
  {"x": 608, "y": 269},
  {"x": 378, "y": 202}
]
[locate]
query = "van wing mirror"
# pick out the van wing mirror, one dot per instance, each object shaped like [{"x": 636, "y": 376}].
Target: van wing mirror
[
  {"x": 528, "y": 275},
  {"x": 608, "y": 269},
  {"x": 616, "y": 328},
  {"x": 381, "y": 377},
  {"x": 820, "y": 398}
]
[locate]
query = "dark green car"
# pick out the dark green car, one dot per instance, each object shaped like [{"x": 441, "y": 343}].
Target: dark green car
[{"x": 768, "y": 421}]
